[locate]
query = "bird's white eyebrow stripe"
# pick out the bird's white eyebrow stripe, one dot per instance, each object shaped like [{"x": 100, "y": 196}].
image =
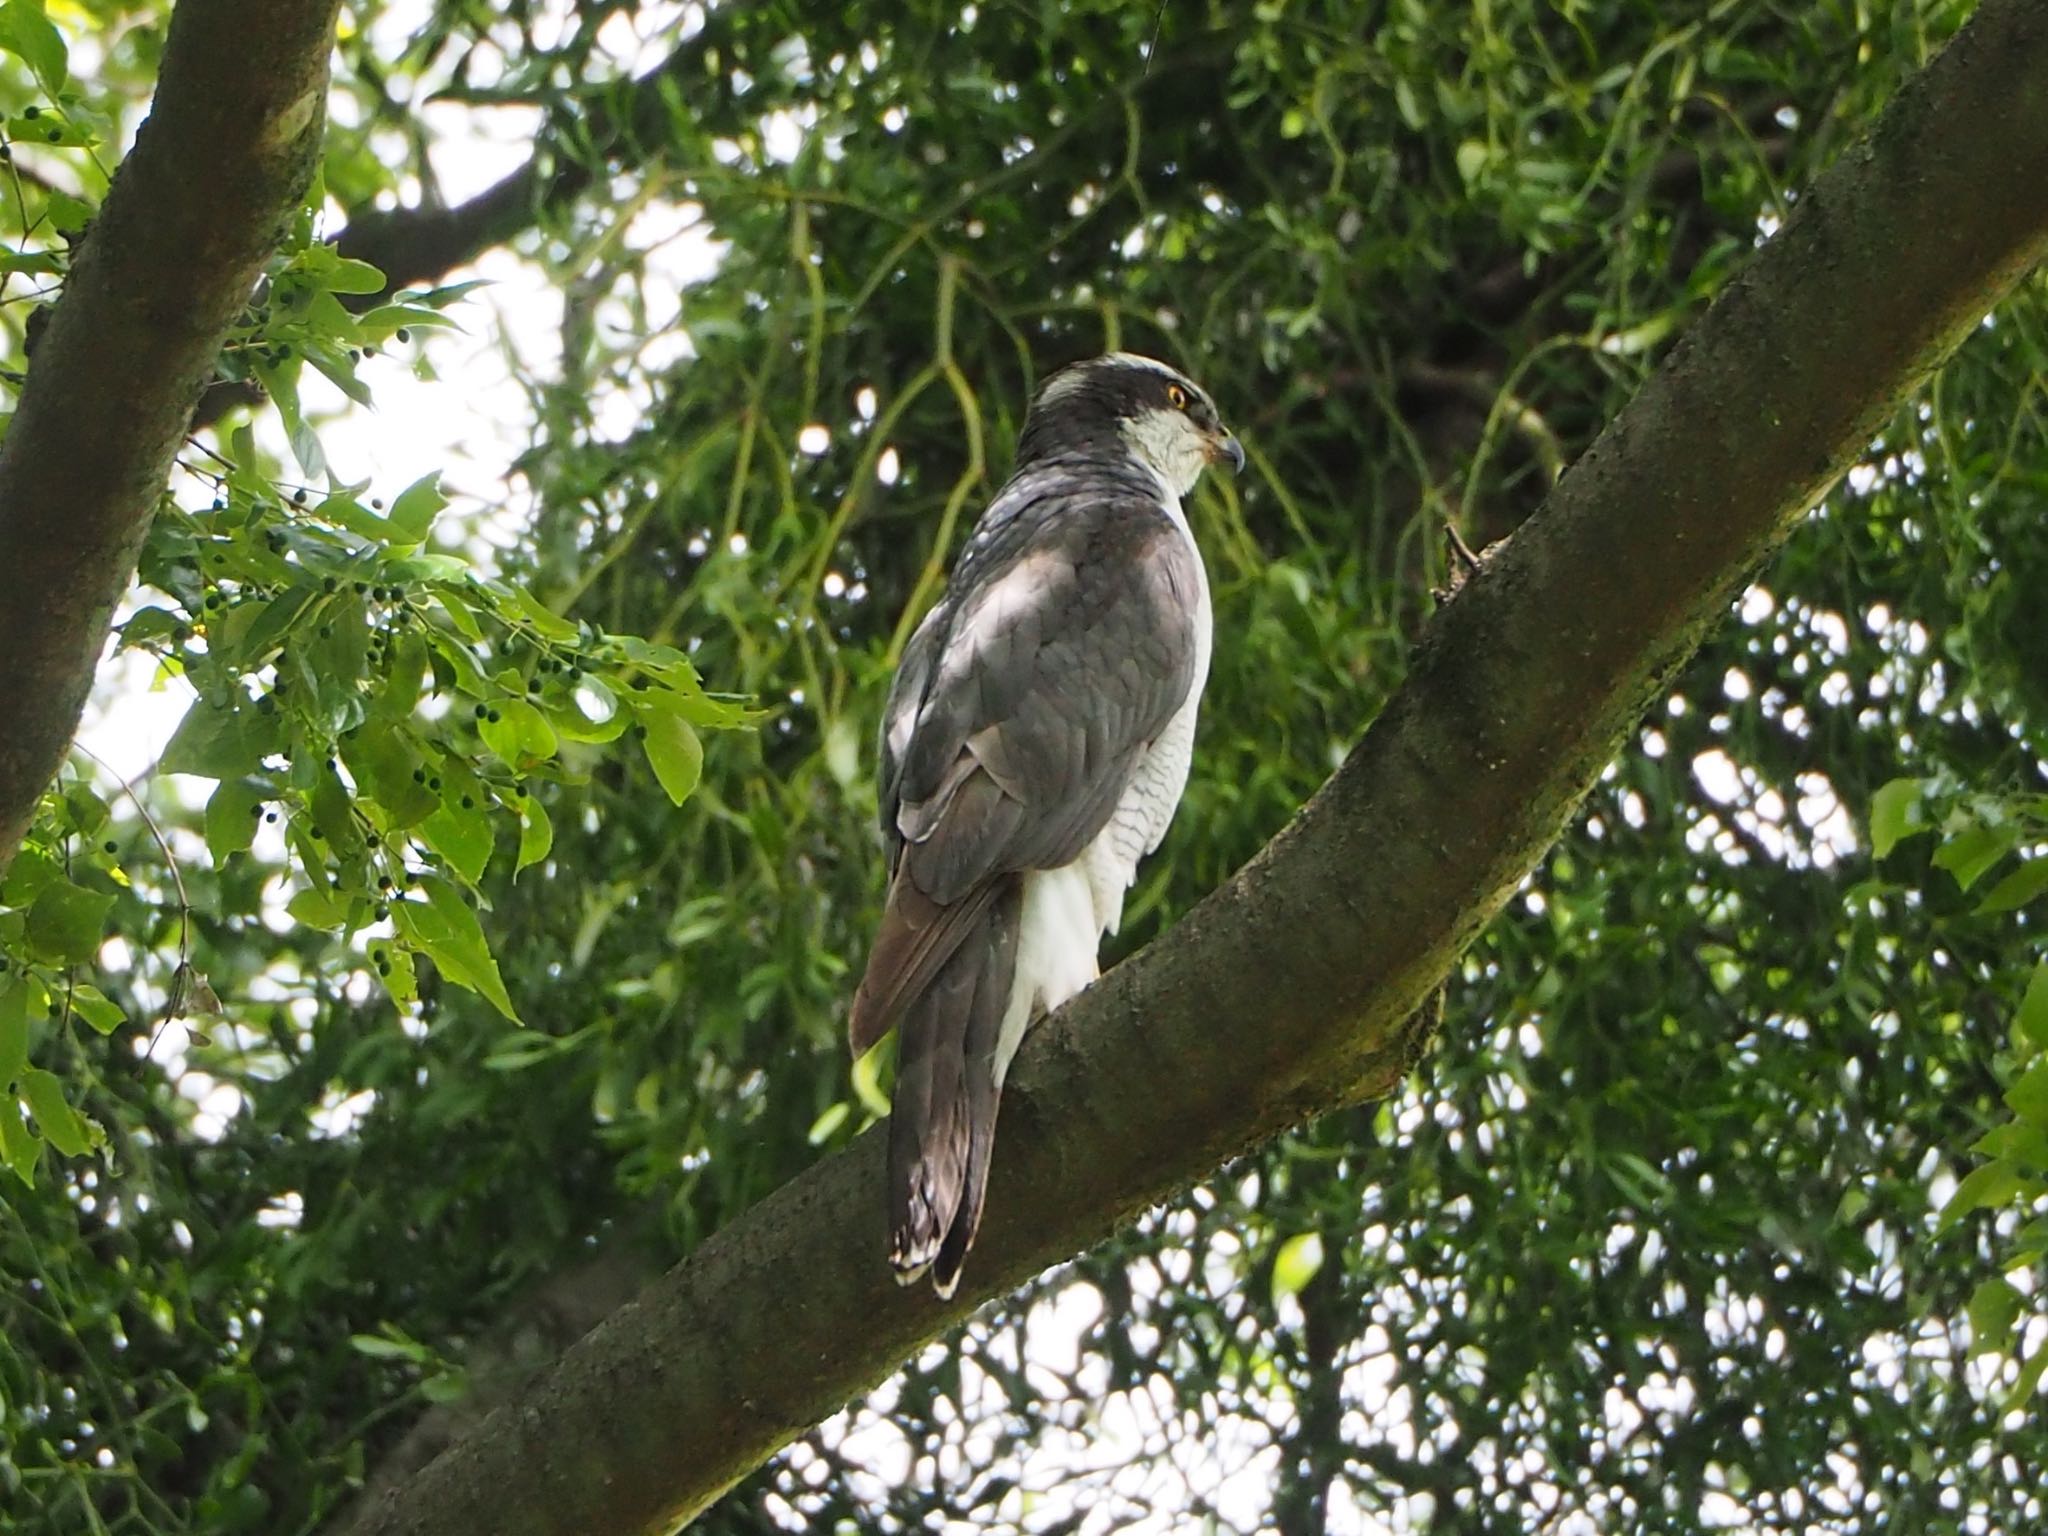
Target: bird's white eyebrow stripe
[
  {"x": 1139, "y": 360},
  {"x": 1061, "y": 384},
  {"x": 1069, "y": 379}
]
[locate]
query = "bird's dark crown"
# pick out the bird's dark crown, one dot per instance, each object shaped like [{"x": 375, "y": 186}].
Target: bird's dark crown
[{"x": 1086, "y": 404}]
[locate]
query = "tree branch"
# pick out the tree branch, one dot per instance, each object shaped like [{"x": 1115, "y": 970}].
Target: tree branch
[
  {"x": 1283, "y": 994},
  {"x": 419, "y": 245},
  {"x": 224, "y": 156}
]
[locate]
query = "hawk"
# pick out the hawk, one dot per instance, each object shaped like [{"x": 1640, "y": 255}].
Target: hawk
[{"x": 1035, "y": 743}]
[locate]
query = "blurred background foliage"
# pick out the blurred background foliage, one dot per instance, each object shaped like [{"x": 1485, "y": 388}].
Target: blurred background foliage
[{"x": 1652, "y": 1244}]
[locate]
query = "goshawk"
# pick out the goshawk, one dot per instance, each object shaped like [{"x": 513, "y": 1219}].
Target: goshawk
[{"x": 1035, "y": 744}]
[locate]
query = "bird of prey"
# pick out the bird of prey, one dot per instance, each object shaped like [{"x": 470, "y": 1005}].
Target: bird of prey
[{"x": 1035, "y": 743}]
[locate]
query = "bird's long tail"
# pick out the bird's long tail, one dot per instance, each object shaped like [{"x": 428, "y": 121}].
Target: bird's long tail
[{"x": 947, "y": 1083}]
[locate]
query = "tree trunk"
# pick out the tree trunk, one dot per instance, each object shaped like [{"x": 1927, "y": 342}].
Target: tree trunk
[{"x": 222, "y": 160}]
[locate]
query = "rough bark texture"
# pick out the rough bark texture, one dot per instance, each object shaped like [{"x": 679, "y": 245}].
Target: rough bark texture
[
  {"x": 1283, "y": 995},
  {"x": 224, "y": 156}
]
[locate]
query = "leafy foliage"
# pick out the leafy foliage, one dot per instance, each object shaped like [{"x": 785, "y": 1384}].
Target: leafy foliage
[{"x": 1679, "y": 1226}]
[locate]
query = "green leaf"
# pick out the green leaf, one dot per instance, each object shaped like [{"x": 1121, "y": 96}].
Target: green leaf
[
  {"x": 333, "y": 812},
  {"x": 536, "y": 834},
  {"x": 31, "y": 263},
  {"x": 2028, "y": 1098},
  {"x": 62, "y": 1126},
  {"x": 377, "y": 324},
  {"x": 441, "y": 297},
  {"x": 1974, "y": 849},
  {"x": 68, "y": 923},
  {"x": 1992, "y": 1184},
  {"x": 1296, "y": 1263},
  {"x": 461, "y": 832},
  {"x": 2018, "y": 888},
  {"x": 87, "y": 810},
  {"x": 339, "y": 370},
  {"x": 345, "y": 511},
  {"x": 2033, "y": 1014},
  {"x": 385, "y": 765},
  {"x": 149, "y": 623},
  {"x": 461, "y": 613},
  {"x": 454, "y": 667},
  {"x": 549, "y": 624},
  {"x": 281, "y": 382},
  {"x": 318, "y": 907},
  {"x": 1994, "y": 1307},
  {"x": 445, "y": 929},
  {"x": 2016, "y": 1141},
  {"x": 393, "y": 1347},
  {"x": 1896, "y": 812},
  {"x": 335, "y": 658},
  {"x": 402, "y": 677},
  {"x": 825, "y": 1125},
  {"x": 276, "y": 619},
  {"x": 674, "y": 752},
  {"x": 413, "y": 513},
  {"x": 2029, "y": 1379},
  {"x": 19, "y": 1146},
  {"x": 27, "y": 32},
  {"x": 445, "y": 1387},
  {"x": 96, "y": 1008},
  {"x": 223, "y": 741},
  {"x": 13, "y": 1032},
  {"x": 867, "y": 1083},
  {"x": 592, "y": 713},
  {"x": 395, "y": 970},
  {"x": 232, "y": 814},
  {"x": 520, "y": 734},
  {"x": 68, "y": 215},
  {"x": 31, "y": 871},
  {"x": 351, "y": 276}
]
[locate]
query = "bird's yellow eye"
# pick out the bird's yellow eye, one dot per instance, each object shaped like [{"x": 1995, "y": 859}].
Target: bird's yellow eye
[{"x": 1176, "y": 397}]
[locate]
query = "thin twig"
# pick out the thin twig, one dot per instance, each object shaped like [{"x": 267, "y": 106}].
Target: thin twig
[
  {"x": 175, "y": 996},
  {"x": 1152, "y": 47}
]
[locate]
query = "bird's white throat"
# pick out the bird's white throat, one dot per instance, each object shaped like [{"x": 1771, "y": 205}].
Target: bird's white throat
[{"x": 1169, "y": 445}]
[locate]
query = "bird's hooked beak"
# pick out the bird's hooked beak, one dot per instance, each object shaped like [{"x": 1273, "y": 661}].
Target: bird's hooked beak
[{"x": 1225, "y": 448}]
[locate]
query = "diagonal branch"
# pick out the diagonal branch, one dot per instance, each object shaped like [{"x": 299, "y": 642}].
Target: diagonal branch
[
  {"x": 422, "y": 244},
  {"x": 1283, "y": 995},
  {"x": 224, "y": 156},
  {"x": 419, "y": 245}
]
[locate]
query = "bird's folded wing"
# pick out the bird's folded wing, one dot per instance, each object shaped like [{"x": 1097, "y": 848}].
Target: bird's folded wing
[{"x": 1067, "y": 643}]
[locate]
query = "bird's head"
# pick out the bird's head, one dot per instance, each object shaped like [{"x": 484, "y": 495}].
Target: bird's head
[{"x": 1156, "y": 414}]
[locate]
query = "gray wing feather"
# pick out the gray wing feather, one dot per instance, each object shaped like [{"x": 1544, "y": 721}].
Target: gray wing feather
[
  {"x": 1062, "y": 657},
  {"x": 899, "y": 718},
  {"x": 1021, "y": 707}
]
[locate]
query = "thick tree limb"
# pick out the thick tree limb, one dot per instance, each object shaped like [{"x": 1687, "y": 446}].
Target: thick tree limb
[
  {"x": 224, "y": 156},
  {"x": 1283, "y": 995}
]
